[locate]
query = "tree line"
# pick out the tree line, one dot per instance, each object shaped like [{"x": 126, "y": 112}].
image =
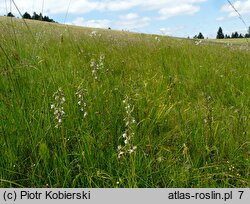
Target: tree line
[
  {"x": 221, "y": 35},
  {"x": 34, "y": 16}
]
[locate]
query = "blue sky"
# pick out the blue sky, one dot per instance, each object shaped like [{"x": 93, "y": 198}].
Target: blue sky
[{"x": 180, "y": 18}]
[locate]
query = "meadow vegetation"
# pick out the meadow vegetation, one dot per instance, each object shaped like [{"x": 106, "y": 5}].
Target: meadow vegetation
[{"x": 82, "y": 107}]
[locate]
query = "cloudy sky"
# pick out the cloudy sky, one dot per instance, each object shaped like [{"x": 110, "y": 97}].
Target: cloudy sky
[{"x": 180, "y": 18}]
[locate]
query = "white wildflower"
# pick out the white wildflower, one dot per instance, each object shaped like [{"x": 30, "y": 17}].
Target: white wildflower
[
  {"x": 81, "y": 97},
  {"x": 57, "y": 107},
  {"x": 128, "y": 147},
  {"x": 198, "y": 42},
  {"x": 97, "y": 66},
  {"x": 85, "y": 114},
  {"x": 93, "y": 34},
  {"x": 132, "y": 149},
  {"x": 157, "y": 39}
]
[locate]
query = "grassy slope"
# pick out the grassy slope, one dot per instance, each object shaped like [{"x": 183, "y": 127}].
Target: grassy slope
[
  {"x": 238, "y": 41},
  {"x": 190, "y": 103}
]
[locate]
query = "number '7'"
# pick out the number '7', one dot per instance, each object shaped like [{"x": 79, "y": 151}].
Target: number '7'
[{"x": 241, "y": 193}]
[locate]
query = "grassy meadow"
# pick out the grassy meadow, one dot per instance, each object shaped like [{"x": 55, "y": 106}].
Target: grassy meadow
[
  {"x": 82, "y": 107},
  {"x": 232, "y": 41}
]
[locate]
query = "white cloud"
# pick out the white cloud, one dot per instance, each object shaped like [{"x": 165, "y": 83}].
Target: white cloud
[
  {"x": 129, "y": 16},
  {"x": 242, "y": 6},
  {"x": 221, "y": 18},
  {"x": 100, "y": 23},
  {"x": 132, "y": 21},
  {"x": 184, "y": 9},
  {"x": 170, "y": 31},
  {"x": 166, "y": 8}
]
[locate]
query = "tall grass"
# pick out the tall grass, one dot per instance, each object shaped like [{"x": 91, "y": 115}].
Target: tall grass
[{"x": 190, "y": 104}]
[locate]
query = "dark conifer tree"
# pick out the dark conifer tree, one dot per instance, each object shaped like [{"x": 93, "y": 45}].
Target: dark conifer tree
[
  {"x": 236, "y": 35},
  {"x": 220, "y": 34},
  {"x": 26, "y": 15},
  {"x": 200, "y": 36},
  {"x": 247, "y": 35},
  {"x": 40, "y": 17},
  {"x": 10, "y": 14},
  {"x": 35, "y": 16}
]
